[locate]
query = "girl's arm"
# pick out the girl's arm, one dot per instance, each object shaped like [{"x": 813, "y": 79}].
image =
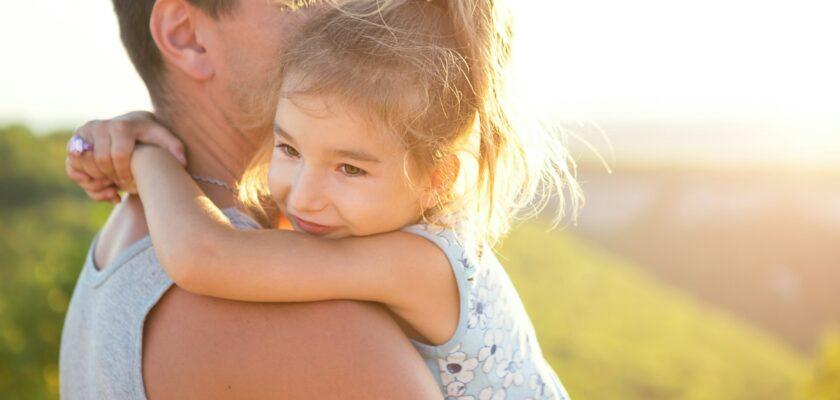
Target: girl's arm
[{"x": 204, "y": 254}]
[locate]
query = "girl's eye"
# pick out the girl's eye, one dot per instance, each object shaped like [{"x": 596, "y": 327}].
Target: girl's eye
[
  {"x": 288, "y": 150},
  {"x": 350, "y": 170}
]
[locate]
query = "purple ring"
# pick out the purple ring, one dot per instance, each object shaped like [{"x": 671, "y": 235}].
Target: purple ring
[{"x": 78, "y": 145}]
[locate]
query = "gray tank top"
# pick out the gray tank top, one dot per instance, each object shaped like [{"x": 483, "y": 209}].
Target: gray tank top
[{"x": 101, "y": 342}]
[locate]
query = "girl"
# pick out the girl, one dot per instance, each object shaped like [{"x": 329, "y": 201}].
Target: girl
[{"x": 397, "y": 163}]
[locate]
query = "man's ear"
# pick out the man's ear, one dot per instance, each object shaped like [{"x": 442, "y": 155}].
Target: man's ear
[{"x": 174, "y": 29}]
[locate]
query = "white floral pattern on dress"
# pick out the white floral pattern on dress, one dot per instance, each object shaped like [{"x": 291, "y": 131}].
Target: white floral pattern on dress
[
  {"x": 491, "y": 393},
  {"x": 510, "y": 370},
  {"x": 481, "y": 309},
  {"x": 456, "y": 390},
  {"x": 469, "y": 267},
  {"x": 495, "y": 348},
  {"x": 537, "y": 383},
  {"x": 456, "y": 370}
]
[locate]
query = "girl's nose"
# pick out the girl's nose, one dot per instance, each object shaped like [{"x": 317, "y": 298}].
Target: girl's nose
[{"x": 307, "y": 192}]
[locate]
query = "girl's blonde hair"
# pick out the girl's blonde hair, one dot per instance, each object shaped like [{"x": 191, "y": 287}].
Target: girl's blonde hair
[{"x": 435, "y": 73}]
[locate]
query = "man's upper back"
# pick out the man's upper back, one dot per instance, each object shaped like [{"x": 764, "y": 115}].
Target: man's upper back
[
  {"x": 102, "y": 335},
  {"x": 129, "y": 333}
]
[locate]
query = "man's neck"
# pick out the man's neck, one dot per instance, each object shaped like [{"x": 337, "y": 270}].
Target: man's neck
[{"x": 215, "y": 149}]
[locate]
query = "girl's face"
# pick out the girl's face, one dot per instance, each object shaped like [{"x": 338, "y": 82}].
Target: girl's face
[{"x": 333, "y": 175}]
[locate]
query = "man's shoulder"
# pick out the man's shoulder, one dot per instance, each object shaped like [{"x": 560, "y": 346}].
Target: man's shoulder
[
  {"x": 125, "y": 226},
  {"x": 195, "y": 346}
]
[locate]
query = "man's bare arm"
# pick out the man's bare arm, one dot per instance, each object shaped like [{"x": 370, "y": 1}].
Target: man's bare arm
[{"x": 207, "y": 348}]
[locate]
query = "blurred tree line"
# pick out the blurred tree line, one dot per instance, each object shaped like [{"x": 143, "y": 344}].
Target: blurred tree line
[{"x": 46, "y": 226}]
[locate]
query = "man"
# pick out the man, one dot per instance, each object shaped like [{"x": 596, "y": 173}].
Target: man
[{"x": 130, "y": 334}]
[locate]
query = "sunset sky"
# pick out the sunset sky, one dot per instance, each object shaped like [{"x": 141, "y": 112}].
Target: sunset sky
[{"x": 596, "y": 60}]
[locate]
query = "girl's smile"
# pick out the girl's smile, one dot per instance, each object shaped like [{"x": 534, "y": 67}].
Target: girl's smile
[{"x": 309, "y": 227}]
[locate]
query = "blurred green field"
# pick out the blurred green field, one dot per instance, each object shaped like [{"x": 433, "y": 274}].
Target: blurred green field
[{"x": 609, "y": 330}]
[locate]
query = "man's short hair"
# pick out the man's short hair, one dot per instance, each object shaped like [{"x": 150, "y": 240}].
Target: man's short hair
[{"x": 134, "y": 17}]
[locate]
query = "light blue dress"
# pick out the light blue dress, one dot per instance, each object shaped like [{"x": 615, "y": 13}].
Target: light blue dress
[{"x": 494, "y": 353}]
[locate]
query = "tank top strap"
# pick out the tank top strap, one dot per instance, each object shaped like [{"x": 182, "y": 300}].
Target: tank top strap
[{"x": 446, "y": 239}]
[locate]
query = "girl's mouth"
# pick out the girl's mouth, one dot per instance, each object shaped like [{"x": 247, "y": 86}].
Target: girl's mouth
[{"x": 311, "y": 227}]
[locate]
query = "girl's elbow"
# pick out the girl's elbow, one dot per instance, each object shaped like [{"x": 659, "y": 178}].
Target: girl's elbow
[
  {"x": 182, "y": 266},
  {"x": 191, "y": 261},
  {"x": 178, "y": 268},
  {"x": 182, "y": 258}
]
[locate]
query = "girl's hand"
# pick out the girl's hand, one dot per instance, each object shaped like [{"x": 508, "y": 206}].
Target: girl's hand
[{"x": 106, "y": 169}]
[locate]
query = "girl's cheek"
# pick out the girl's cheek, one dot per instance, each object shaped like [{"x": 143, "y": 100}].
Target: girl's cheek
[
  {"x": 374, "y": 205},
  {"x": 279, "y": 179},
  {"x": 348, "y": 196}
]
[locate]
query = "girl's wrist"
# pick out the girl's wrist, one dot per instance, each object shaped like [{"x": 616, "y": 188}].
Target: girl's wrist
[{"x": 144, "y": 154}]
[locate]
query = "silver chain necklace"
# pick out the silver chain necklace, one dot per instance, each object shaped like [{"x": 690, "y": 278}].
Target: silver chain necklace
[{"x": 217, "y": 182}]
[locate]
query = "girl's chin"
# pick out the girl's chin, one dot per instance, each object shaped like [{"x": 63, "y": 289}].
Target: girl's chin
[
  {"x": 343, "y": 233},
  {"x": 331, "y": 235},
  {"x": 338, "y": 232}
]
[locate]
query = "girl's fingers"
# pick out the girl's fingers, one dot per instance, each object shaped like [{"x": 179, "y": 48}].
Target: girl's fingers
[
  {"x": 85, "y": 162},
  {"x": 96, "y": 189},
  {"x": 75, "y": 172},
  {"x": 88, "y": 165},
  {"x": 121, "y": 149},
  {"x": 102, "y": 191},
  {"x": 97, "y": 186},
  {"x": 162, "y": 137},
  {"x": 109, "y": 194},
  {"x": 102, "y": 154}
]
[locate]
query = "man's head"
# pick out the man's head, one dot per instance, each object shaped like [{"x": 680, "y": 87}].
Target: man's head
[
  {"x": 134, "y": 16},
  {"x": 220, "y": 53}
]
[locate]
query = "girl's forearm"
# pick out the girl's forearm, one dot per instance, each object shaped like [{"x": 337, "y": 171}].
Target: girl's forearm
[
  {"x": 204, "y": 254},
  {"x": 181, "y": 219}
]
